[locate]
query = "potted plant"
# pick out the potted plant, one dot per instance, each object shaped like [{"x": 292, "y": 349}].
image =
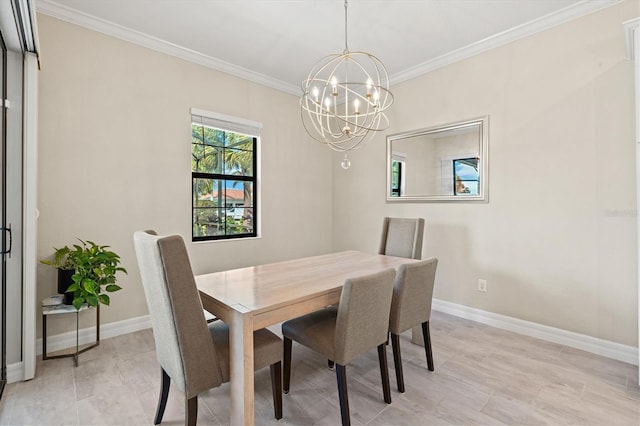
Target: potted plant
[{"x": 95, "y": 269}]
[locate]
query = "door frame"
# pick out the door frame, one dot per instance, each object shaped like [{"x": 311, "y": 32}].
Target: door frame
[
  {"x": 30, "y": 213},
  {"x": 3, "y": 296},
  {"x": 632, "y": 47}
]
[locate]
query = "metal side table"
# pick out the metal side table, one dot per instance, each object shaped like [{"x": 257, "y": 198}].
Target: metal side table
[{"x": 68, "y": 309}]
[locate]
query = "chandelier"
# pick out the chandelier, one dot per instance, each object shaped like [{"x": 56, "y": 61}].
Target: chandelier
[{"x": 344, "y": 98}]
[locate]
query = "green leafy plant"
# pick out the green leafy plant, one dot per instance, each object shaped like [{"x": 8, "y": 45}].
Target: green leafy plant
[
  {"x": 95, "y": 269},
  {"x": 60, "y": 259}
]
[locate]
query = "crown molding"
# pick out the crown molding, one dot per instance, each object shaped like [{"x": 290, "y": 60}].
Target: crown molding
[
  {"x": 64, "y": 13},
  {"x": 632, "y": 52},
  {"x": 543, "y": 23},
  {"x": 67, "y": 14}
]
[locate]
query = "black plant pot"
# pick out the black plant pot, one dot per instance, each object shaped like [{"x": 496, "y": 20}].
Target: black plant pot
[{"x": 64, "y": 281}]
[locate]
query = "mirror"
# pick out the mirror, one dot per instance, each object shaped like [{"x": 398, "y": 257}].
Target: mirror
[{"x": 440, "y": 163}]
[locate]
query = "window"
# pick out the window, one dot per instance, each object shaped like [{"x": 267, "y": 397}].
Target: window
[
  {"x": 398, "y": 163},
  {"x": 396, "y": 177},
  {"x": 224, "y": 176},
  {"x": 466, "y": 179}
]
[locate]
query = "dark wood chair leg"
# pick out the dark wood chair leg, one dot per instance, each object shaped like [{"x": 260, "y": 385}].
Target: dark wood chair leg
[
  {"x": 341, "y": 375},
  {"x": 165, "y": 382},
  {"x": 331, "y": 364},
  {"x": 287, "y": 365},
  {"x": 276, "y": 385},
  {"x": 384, "y": 372},
  {"x": 427, "y": 344},
  {"x": 397, "y": 361},
  {"x": 191, "y": 411}
]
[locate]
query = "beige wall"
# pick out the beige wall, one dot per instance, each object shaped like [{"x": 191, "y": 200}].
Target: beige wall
[
  {"x": 114, "y": 157},
  {"x": 556, "y": 241}
]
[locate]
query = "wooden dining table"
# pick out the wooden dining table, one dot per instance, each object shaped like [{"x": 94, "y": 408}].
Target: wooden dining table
[{"x": 255, "y": 297}]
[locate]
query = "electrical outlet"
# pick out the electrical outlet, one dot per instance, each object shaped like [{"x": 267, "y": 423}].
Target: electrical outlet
[{"x": 482, "y": 285}]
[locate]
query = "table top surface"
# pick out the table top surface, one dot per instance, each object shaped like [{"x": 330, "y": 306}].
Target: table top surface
[{"x": 264, "y": 287}]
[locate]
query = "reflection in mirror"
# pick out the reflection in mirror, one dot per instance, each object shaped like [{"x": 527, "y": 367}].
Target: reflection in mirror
[{"x": 442, "y": 163}]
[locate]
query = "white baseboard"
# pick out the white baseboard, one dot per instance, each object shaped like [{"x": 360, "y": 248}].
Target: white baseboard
[
  {"x": 15, "y": 372},
  {"x": 87, "y": 335},
  {"x": 628, "y": 354},
  {"x": 594, "y": 345}
]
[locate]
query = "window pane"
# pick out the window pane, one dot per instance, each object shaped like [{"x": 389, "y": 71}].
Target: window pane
[
  {"x": 238, "y": 162},
  {"x": 248, "y": 219},
  {"x": 238, "y": 141},
  {"x": 214, "y": 137},
  {"x": 466, "y": 176},
  {"x": 205, "y": 159},
  {"x": 395, "y": 176},
  {"x": 207, "y": 135},
  {"x": 239, "y": 193},
  {"x": 207, "y": 222},
  {"x": 206, "y": 193},
  {"x": 235, "y": 226},
  {"x": 239, "y": 221}
]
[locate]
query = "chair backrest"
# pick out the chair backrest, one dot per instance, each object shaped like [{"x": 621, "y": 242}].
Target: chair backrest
[
  {"x": 412, "y": 295},
  {"x": 402, "y": 237},
  {"x": 363, "y": 315},
  {"x": 183, "y": 343}
]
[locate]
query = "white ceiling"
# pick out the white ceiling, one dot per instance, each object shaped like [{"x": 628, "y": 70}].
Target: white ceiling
[{"x": 276, "y": 42}]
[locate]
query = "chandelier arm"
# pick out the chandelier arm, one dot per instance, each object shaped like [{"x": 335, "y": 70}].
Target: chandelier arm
[{"x": 311, "y": 115}]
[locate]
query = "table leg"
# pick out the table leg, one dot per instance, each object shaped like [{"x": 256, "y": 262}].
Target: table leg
[
  {"x": 98, "y": 323},
  {"x": 241, "y": 363},
  {"x": 75, "y": 356},
  {"x": 44, "y": 337}
]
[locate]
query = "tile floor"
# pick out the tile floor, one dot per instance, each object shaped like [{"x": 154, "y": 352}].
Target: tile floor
[{"x": 483, "y": 376}]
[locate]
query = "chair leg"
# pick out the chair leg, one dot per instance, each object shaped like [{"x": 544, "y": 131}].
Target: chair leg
[
  {"x": 191, "y": 411},
  {"x": 276, "y": 385},
  {"x": 287, "y": 365},
  {"x": 427, "y": 344},
  {"x": 397, "y": 361},
  {"x": 331, "y": 364},
  {"x": 341, "y": 375},
  {"x": 384, "y": 372},
  {"x": 165, "y": 382}
]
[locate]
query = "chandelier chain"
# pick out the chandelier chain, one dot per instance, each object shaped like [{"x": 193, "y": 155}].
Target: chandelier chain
[{"x": 346, "y": 46}]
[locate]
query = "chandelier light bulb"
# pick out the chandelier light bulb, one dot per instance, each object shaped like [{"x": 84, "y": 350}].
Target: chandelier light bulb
[{"x": 334, "y": 83}]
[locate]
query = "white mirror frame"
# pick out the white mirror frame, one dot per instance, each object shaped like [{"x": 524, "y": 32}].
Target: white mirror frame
[{"x": 483, "y": 163}]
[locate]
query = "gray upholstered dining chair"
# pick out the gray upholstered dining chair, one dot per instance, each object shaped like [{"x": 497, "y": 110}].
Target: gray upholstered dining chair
[
  {"x": 402, "y": 237},
  {"x": 191, "y": 353},
  {"x": 342, "y": 333},
  {"x": 411, "y": 306}
]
